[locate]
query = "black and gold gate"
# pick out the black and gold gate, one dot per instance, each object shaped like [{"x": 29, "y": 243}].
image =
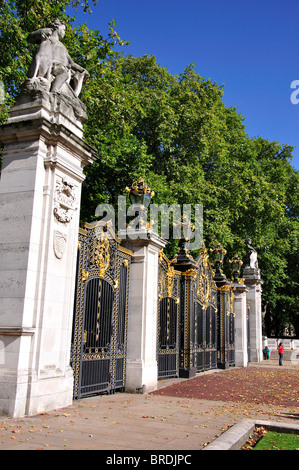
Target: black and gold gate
[
  {"x": 199, "y": 346},
  {"x": 196, "y": 327},
  {"x": 168, "y": 319},
  {"x": 99, "y": 337},
  {"x": 226, "y": 340}
]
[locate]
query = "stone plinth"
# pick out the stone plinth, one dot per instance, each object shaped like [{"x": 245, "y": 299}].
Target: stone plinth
[
  {"x": 241, "y": 337},
  {"x": 142, "y": 368},
  {"x": 253, "y": 282},
  {"x": 40, "y": 190}
]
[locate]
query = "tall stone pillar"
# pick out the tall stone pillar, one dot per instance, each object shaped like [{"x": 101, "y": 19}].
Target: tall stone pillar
[
  {"x": 142, "y": 368},
  {"x": 241, "y": 337},
  {"x": 253, "y": 282},
  {"x": 40, "y": 189}
]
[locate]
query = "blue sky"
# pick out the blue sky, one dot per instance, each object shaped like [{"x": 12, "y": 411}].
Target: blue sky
[{"x": 250, "y": 46}]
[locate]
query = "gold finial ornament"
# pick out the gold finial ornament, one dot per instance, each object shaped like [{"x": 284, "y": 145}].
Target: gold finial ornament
[
  {"x": 236, "y": 263},
  {"x": 138, "y": 190}
]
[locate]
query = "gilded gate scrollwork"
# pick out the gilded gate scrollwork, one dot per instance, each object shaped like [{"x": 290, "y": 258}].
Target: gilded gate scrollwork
[
  {"x": 200, "y": 316},
  {"x": 168, "y": 318},
  {"x": 226, "y": 339},
  {"x": 99, "y": 337},
  {"x": 202, "y": 335}
]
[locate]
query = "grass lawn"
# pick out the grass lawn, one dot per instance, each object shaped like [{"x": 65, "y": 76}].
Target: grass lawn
[{"x": 278, "y": 441}]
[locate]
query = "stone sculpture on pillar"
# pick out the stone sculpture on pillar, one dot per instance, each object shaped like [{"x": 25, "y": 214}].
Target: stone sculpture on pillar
[
  {"x": 40, "y": 189},
  {"x": 253, "y": 282},
  {"x": 250, "y": 260},
  {"x": 53, "y": 70},
  {"x": 54, "y": 82}
]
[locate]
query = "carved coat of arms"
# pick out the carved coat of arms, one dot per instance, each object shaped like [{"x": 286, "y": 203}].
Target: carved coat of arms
[{"x": 64, "y": 201}]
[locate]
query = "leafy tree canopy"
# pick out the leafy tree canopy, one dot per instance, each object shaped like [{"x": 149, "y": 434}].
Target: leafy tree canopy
[{"x": 176, "y": 132}]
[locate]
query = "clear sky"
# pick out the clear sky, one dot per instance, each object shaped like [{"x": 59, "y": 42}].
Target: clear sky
[{"x": 250, "y": 46}]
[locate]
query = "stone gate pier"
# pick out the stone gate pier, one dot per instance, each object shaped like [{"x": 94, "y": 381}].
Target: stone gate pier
[
  {"x": 254, "y": 282},
  {"x": 40, "y": 189}
]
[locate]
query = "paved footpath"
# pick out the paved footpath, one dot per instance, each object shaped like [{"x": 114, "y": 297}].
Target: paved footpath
[{"x": 136, "y": 422}]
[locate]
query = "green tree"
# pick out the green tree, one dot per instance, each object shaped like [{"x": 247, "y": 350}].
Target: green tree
[
  {"x": 195, "y": 150},
  {"x": 176, "y": 132}
]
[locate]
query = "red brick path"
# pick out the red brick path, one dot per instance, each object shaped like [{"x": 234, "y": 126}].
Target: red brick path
[{"x": 273, "y": 386}]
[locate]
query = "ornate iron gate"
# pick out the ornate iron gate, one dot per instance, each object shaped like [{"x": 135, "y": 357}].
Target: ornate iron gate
[
  {"x": 168, "y": 319},
  {"x": 99, "y": 338},
  {"x": 226, "y": 350},
  {"x": 196, "y": 325},
  {"x": 199, "y": 349}
]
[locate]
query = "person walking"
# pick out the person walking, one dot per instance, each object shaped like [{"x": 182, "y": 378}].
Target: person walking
[{"x": 280, "y": 353}]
